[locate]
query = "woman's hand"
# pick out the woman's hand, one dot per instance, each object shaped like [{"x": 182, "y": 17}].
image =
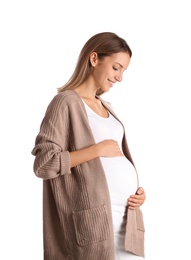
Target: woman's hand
[
  {"x": 135, "y": 201},
  {"x": 109, "y": 148}
]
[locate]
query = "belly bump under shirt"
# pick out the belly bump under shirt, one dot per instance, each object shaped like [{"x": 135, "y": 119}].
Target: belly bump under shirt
[{"x": 120, "y": 173}]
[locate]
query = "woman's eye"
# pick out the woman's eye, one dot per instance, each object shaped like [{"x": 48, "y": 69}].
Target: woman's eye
[{"x": 115, "y": 68}]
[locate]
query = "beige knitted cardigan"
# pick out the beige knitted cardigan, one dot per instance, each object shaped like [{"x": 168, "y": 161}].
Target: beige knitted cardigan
[{"x": 77, "y": 218}]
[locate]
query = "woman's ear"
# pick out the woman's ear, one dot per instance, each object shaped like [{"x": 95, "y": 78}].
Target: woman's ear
[{"x": 93, "y": 59}]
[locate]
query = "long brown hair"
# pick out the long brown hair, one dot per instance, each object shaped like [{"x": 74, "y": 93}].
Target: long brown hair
[{"x": 104, "y": 44}]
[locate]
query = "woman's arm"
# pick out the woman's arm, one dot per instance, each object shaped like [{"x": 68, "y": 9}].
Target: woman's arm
[
  {"x": 106, "y": 148},
  {"x": 52, "y": 155}
]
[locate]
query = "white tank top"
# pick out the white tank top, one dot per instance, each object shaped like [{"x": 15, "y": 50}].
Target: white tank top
[{"x": 120, "y": 173}]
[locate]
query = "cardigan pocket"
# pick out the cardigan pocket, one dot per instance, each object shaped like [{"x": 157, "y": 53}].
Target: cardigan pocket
[{"x": 91, "y": 225}]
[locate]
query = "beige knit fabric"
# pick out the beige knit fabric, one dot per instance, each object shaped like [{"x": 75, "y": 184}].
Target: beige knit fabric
[{"x": 77, "y": 218}]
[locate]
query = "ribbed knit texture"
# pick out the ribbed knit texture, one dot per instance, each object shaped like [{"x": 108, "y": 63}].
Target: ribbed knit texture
[
  {"x": 135, "y": 232},
  {"x": 77, "y": 219}
]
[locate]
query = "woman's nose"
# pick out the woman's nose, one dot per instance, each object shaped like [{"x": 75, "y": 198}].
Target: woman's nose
[{"x": 118, "y": 78}]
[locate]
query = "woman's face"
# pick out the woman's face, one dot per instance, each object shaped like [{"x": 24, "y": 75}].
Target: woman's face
[{"x": 109, "y": 70}]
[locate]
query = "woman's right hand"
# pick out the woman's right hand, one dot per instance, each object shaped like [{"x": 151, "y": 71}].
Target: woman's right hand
[{"x": 109, "y": 148}]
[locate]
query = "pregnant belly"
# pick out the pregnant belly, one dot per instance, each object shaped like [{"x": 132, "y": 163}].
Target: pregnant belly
[{"x": 121, "y": 178}]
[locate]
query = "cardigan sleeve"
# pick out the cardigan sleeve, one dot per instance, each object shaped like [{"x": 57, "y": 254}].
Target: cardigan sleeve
[{"x": 52, "y": 157}]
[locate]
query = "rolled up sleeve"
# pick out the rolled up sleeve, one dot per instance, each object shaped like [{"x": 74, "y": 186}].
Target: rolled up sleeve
[{"x": 52, "y": 157}]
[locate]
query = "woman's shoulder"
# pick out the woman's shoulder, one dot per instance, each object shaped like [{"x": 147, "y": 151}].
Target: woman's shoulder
[{"x": 65, "y": 98}]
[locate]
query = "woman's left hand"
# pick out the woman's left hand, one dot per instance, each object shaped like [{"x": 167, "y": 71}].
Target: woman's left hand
[{"x": 135, "y": 201}]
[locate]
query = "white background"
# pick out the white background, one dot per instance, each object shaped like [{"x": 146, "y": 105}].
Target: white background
[{"x": 39, "y": 45}]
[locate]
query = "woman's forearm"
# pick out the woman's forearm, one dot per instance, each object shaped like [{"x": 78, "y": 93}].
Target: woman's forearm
[
  {"x": 106, "y": 148},
  {"x": 83, "y": 155}
]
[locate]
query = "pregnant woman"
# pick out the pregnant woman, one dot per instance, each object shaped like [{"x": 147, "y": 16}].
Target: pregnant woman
[{"x": 91, "y": 197}]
